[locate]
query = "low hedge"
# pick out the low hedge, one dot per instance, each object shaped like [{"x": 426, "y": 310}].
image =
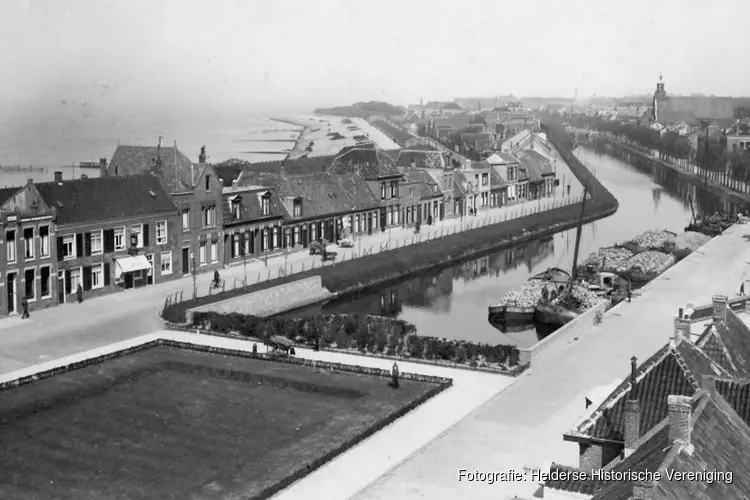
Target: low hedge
[{"x": 363, "y": 333}]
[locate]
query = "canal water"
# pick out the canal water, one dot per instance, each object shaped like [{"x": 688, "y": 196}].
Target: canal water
[{"x": 453, "y": 303}]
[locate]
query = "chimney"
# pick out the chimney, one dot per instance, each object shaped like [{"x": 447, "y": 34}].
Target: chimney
[
  {"x": 632, "y": 413},
  {"x": 708, "y": 383},
  {"x": 202, "y": 156},
  {"x": 58, "y": 176},
  {"x": 643, "y": 490},
  {"x": 681, "y": 329},
  {"x": 102, "y": 167},
  {"x": 720, "y": 308},
  {"x": 282, "y": 171},
  {"x": 680, "y": 408},
  {"x": 235, "y": 183}
]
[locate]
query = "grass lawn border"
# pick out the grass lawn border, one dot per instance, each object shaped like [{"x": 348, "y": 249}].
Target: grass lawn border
[{"x": 441, "y": 384}]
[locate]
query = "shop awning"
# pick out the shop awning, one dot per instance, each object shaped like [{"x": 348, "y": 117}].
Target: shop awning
[{"x": 130, "y": 264}]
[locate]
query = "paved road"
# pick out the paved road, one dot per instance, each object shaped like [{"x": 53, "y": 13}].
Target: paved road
[
  {"x": 74, "y": 327},
  {"x": 523, "y": 425}
]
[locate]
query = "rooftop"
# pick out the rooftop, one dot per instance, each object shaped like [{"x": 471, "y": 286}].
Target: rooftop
[{"x": 175, "y": 170}]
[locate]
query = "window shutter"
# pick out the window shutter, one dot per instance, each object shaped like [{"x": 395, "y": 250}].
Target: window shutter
[
  {"x": 145, "y": 235},
  {"x": 109, "y": 240},
  {"x": 67, "y": 281},
  {"x": 79, "y": 245},
  {"x": 87, "y": 278},
  {"x": 87, "y": 243},
  {"x": 106, "y": 273},
  {"x": 60, "y": 248}
]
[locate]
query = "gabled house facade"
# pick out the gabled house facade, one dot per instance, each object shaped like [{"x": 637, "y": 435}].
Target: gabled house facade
[
  {"x": 507, "y": 167},
  {"x": 478, "y": 175},
  {"x": 381, "y": 175},
  {"x": 541, "y": 174},
  {"x": 111, "y": 233},
  {"x": 195, "y": 189},
  {"x": 27, "y": 252}
]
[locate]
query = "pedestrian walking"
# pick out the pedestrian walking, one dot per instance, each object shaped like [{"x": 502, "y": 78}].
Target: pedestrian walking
[
  {"x": 742, "y": 288},
  {"x": 25, "y": 307},
  {"x": 79, "y": 293},
  {"x": 629, "y": 293},
  {"x": 255, "y": 348}
]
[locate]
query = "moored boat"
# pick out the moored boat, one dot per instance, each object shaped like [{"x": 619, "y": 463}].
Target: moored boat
[{"x": 512, "y": 312}]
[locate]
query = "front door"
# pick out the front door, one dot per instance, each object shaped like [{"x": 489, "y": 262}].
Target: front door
[
  {"x": 11, "y": 286},
  {"x": 185, "y": 261},
  {"x": 369, "y": 223},
  {"x": 61, "y": 287}
]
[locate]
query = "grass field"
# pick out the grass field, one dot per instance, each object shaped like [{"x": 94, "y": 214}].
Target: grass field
[{"x": 171, "y": 423}]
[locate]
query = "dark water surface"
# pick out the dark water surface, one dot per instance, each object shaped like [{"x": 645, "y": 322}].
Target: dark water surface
[{"x": 453, "y": 303}]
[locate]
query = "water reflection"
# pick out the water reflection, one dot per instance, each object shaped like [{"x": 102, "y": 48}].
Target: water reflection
[{"x": 452, "y": 303}]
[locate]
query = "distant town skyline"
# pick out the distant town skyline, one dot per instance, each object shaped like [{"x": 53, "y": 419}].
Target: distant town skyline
[{"x": 290, "y": 55}]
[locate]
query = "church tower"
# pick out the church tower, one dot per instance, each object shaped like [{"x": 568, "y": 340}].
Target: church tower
[{"x": 660, "y": 98}]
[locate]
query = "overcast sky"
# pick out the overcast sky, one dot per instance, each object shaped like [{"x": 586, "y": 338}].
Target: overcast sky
[{"x": 306, "y": 53}]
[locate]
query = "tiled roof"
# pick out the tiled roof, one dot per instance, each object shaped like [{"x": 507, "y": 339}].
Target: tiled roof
[
  {"x": 649, "y": 456},
  {"x": 428, "y": 188},
  {"x": 737, "y": 394},
  {"x": 176, "y": 172},
  {"x": 533, "y": 169},
  {"x": 250, "y": 206},
  {"x": 106, "y": 198},
  {"x": 356, "y": 191},
  {"x": 7, "y": 193},
  {"x": 714, "y": 348},
  {"x": 321, "y": 195},
  {"x": 366, "y": 160},
  {"x": 421, "y": 158},
  {"x": 230, "y": 170},
  {"x": 543, "y": 161},
  {"x": 735, "y": 336},
  {"x": 589, "y": 486},
  {"x": 496, "y": 180},
  {"x": 458, "y": 184},
  {"x": 505, "y": 157},
  {"x": 671, "y": 370}
]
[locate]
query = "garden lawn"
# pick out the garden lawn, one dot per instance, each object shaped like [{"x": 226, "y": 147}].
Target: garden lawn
[{"x": 182, "y": 424}]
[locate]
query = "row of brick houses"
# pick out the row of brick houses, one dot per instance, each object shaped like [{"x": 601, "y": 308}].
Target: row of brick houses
[{"x": 153, "y": 215}]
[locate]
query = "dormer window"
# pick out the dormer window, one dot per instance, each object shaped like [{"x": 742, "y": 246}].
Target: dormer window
[
  {"x": 297, "y": 207},
  {"x": 265, "y": 204},
  {"x": 236, "y": 206}
]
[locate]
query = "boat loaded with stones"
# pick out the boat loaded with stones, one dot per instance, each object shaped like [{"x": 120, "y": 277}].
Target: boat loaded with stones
[{"x": 517, "y": 306}]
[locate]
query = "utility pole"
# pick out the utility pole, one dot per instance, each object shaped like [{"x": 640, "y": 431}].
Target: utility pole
[
  {"x": 194, "y": 272},
  {"x": 705, "y": 122}
]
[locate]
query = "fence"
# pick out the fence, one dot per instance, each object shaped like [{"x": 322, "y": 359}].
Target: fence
[{"x": 287, "y": 269}]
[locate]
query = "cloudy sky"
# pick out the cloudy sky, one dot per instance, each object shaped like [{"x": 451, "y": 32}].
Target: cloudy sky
[{"x": 289, "y": 53}]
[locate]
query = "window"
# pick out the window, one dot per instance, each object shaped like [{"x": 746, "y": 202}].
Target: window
[
  {"x": 264, "y": 240},
  {"x": 214, "y": 251},
  {"x": 44, "y": 241},
  {"x": 208, "y": 183},
  {"x": 276, "y": 237},
  {"x": 485, "y": 179},
  {"x": 120, "y": 238},
  {"x": 266, "y": 205},
  {"x": 356, "y": 223},
  {"x": 166, "y": 263},
  {"x": 296, "y": 235},
  {"x": 28, "y": 284},
  {"x": 394, "y": 189},
  {"x": 10, "y": 245},
  {"x": 209, "y": 216},
  {"x": 389, "y": 217},
  {"x": 236, "y": 209},
  {"x": 75, "y": 279},
  {"x": 374, "y": 220},
  {"x": 298, "y": 208},
  {"x": 382, "y": 190},
  {"x": 150, "y": 274},
  {"x": 313, "y": 232},
  {"x": 69, "y": 246},
  {"x": 45, "y": 282},
  {"x": 97, "y": 276},
  {"x": 186, "y": 219},
  {"x": 161, "y": 232},
  {"x": 202, "y": 253},
  {"x": 136, "y": 233},
  {"x": 28, "y": 243},
  {"x": 248, "y": 251},
  {"x": 96, "y": 242},
  {"x": 287, "y": 237}
]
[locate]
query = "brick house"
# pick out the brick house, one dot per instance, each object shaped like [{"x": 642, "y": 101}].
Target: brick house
[
  {"x": 541, "y": 174},
  {"x": 426, "y": 198},
  {"x": 111, "y": 233},
  {"x": 318, "y": 205},
  {"x": 195, "y": 189},
  {"x": 498, "y": 189},
  {"x": 507, "y": 167},
  {"x": 27, "y": 255},
  {"x": 252, "y": 217},
  {"x": 381, "y": 175},
  {"x": 478, "y": 174}
]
